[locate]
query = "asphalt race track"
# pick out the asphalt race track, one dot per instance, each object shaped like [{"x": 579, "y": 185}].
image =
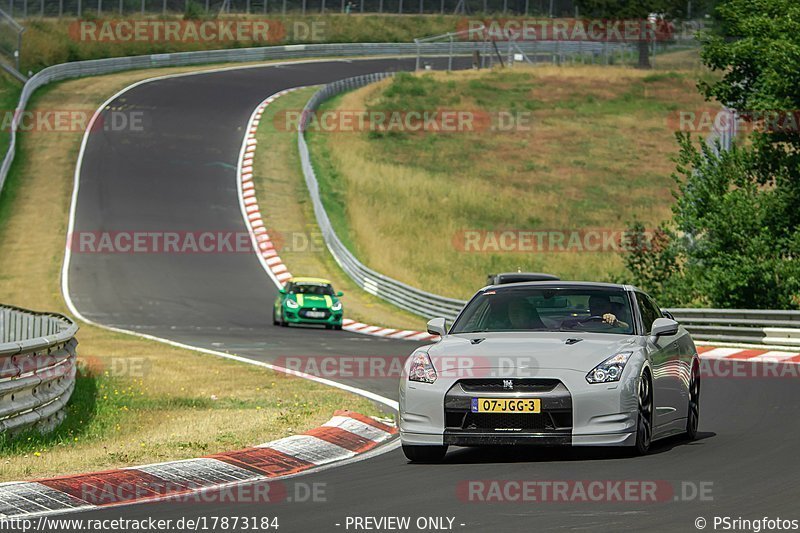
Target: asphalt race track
[{"x": 178, "y": 174}]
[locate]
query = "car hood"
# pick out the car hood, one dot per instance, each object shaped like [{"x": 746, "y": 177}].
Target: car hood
[
  {"x": 530, "y": 350},
  {"x": 313, "y": 300}
]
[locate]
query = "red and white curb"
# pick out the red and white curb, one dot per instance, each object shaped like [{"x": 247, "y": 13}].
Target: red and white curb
[
  {"x": 263, "y": 244},
  {"x": 344, "y": 436},
  {"x": 388, "y": 333},
  {"x": 743, "y": 354}
]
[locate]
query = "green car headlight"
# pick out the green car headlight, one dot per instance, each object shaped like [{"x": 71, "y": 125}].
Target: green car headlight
[
  {"x": 291, "y": 304},
  {"x": 337, "y": 306}
]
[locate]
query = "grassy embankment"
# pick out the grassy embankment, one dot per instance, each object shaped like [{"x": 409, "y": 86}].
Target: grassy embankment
[
  {"x": 9, "y": 96},
  {"x": 136, "y": 401},
  {"x": 598, "y": 154},
  {"x": 50, "y": 41}
]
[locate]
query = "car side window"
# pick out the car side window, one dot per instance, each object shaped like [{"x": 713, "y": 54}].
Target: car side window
[
  {"x": 648, "y": 311},
  {"x": 655, "y": 306}
]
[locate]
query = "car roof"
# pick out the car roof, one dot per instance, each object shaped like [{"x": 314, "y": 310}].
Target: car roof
[
  {"x": 310, "y": 280},
  {"x": 565, "y": 284},
  {"x": 503, "y": 278}
]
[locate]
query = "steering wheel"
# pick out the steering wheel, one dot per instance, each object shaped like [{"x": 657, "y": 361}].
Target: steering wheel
[{"x": 595, "y": 318}]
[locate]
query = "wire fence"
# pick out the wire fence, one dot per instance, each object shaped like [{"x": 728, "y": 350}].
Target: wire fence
[{"x": 78, "y": 8}]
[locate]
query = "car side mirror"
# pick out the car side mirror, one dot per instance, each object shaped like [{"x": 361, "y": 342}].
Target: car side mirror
[
  {"x": 339, "y": 294},
  {"x": 282, "y": 291},
  {"x": 664, "y": 327},
  {"x": 437, "y": 326}
]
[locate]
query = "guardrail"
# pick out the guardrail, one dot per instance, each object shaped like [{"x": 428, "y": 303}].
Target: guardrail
[
  {"x": 746, "y": 326},
  {"x": 404, "y": 296},
  {"x": 37, "y": 368}
]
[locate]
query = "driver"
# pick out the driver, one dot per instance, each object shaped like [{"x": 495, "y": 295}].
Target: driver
[{"x": 601, "y": 306}]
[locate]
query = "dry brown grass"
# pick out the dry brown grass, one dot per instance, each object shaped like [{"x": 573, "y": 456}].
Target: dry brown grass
[
  {"x": 169, "y": 403},
  {"x": 598, "y": 156}
]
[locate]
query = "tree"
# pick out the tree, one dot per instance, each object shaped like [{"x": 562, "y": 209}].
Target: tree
[
  {"x": 636, "y": 10},
  {"x": 736, "y": 223}
]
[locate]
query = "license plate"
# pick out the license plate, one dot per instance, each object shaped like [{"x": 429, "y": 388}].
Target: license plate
[
  {"x": 315, "y": 314},
  {"x": 510, "y": 405}
]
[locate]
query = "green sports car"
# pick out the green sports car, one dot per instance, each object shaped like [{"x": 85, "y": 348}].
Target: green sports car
[{"x": 308, "y": 301}]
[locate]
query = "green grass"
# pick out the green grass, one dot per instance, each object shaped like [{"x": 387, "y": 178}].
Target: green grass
[
  {"x": 48, "y": 41},
  {"x": 598, "y": 154}
]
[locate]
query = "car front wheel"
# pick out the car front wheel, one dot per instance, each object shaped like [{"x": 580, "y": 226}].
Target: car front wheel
[
  {"x": 644, "y": 425},
  {"x": 424, "y": 454},
  {"x": 693, "y": 416}
]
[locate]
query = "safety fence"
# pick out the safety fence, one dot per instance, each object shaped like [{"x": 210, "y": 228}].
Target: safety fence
[
  {"x": 37, "y": 368},
  {"x": 80, "y": 8}
]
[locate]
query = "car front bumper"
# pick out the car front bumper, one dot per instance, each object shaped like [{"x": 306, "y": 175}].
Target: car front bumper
[
  {"x": 574, "y": 413},
  {"x": 296, "y": 316}
]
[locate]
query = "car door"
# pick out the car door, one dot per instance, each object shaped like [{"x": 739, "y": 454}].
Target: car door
[{"x": 669, "y": 399}]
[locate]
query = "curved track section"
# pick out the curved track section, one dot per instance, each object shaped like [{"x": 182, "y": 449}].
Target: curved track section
[{"x": 179, "y": 174}]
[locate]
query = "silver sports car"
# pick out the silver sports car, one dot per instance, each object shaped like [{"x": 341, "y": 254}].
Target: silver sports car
[{"x": 551, "y": 363}]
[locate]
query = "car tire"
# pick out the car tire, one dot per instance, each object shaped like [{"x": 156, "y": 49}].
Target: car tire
[
  {"x": 693, "y": 414},
  {"x": 644, "y": 420},
  {"x": 338, "y": 327},
  {"x": 328, "y": 326},
  {"x": 274, "y": 320},
  {"x": 424, "y": 454}
]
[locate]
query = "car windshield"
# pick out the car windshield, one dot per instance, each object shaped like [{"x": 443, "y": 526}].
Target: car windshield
[
  {"x": 320, "y": 289},
  {"x": 579, "y": 309}
]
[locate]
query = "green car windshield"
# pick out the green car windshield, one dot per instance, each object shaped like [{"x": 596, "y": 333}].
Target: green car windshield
[
  {"x": 318, "y": 289},
  {"x": 579, "y": 309}
]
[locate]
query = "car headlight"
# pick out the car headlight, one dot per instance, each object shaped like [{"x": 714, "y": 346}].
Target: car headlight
[
  {"x": 291, "y": 304},
  {"x": 610, "y": 369},
  {"x": 336, "y": 306},
  {"x": 421, "y": 368}
]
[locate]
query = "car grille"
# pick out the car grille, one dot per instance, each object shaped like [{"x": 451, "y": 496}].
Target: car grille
[
  {"x": 555, "y": 417},
  {"x": 518, "y": 385},
  {"x": 531, "y": 422}
]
